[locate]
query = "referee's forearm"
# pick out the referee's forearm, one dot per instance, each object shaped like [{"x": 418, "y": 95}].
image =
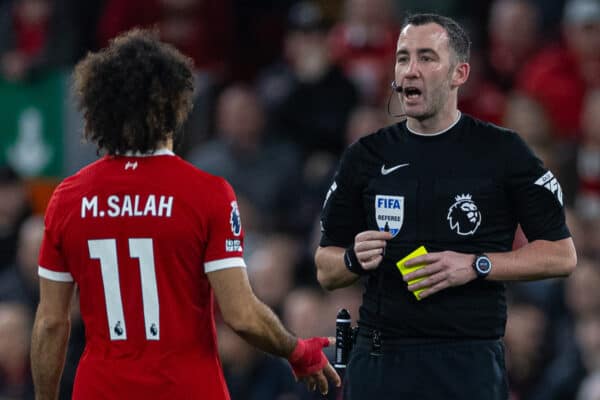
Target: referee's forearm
[
  {"x": 536, "y": 260},
  {"x": 331, "y": 270}
]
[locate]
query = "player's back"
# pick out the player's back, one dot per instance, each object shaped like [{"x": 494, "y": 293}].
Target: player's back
[{"x": 135, "y": 235}]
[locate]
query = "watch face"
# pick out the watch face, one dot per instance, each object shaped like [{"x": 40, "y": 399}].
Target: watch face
[{"x": 483, "y": 265}]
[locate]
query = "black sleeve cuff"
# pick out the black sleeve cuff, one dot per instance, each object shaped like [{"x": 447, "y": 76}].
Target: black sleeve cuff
[{"x": 352, "y": 263}]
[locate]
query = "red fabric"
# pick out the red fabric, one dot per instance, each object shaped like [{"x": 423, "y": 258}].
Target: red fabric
[
  {"x": 176, "y": 357},
  {"x": 590, "y": 185},
  {"x": 553, "y": 79},
  {"x": 346, "y": 52},
  {"x": 207, "y": 27},
  {"x": 485, "y": 102},
  {"x": 307, "y": 358},
  {"x": 368, "y": 62},
  {"x": 31, "y": 38},
  {"x": 503, "y": 59}
]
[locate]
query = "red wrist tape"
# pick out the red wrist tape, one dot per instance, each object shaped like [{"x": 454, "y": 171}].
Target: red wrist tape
[{"x": 308, "y": 357}]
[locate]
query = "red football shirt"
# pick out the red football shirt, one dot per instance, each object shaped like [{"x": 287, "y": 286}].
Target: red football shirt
[{"x": 138, "y": 235}]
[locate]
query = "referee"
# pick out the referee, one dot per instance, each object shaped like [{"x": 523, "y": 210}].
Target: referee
[{"x": 458, "y": 186}]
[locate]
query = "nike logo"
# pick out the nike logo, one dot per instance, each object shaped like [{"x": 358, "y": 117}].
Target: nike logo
[{"x": 385, "y": 171}]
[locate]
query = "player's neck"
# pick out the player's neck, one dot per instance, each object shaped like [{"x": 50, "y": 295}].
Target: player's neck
[
  {"x": 166, "y": 145},
  {"x": 436, "y": 124}
]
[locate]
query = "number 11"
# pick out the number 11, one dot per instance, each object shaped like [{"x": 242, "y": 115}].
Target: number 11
[{"x": 105, "y": 250}]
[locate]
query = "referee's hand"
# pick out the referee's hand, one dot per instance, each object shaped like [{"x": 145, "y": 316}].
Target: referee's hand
[
  {"x": 369, "y": 247},
  {"x": 443, "y": 270}
]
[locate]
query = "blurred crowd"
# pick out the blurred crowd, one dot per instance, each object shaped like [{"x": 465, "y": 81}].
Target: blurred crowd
[{"x": 282, "y": 87}]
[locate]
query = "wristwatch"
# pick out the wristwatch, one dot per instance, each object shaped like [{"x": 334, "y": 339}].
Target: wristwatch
[{"x": 482, "y": 265}]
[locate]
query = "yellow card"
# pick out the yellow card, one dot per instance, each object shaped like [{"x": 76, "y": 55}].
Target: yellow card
[{"x": 406, "y": 270}]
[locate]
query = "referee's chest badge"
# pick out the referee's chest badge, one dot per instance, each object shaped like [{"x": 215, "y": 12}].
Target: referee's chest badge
[
  {"x": 464, "y": 216},
  {"x": 389, "y": 213}
]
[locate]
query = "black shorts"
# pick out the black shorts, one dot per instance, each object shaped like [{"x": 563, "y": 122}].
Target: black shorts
[{"x": 436, "y": 370}]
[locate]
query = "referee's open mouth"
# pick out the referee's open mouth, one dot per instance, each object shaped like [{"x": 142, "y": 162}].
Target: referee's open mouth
[{"x": 412, "y": 93}]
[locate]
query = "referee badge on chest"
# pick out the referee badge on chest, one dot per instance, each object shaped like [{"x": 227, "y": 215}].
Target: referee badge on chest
[{"x": 389, "y": 213}]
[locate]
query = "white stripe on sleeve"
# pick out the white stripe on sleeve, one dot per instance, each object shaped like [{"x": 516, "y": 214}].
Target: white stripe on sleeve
[
  {"x": 233, "y": 262},
  {"x": 54, "y": 276}
]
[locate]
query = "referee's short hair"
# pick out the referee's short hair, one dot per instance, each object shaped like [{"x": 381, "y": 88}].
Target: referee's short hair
[{"x": 458, "y": 39}]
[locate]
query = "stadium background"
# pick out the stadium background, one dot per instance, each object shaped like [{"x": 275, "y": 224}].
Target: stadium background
[{"x": 282, "y": 87}]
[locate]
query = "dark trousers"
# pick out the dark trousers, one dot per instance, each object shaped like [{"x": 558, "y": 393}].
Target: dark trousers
[{"x": 450, "y": 370}]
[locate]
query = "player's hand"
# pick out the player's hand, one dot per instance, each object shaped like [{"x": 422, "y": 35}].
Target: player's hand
[
  {"x": 443, "y": 270},
  {"x": 369, "y": 247},
  {"x": 311, "y": 366},
  {"x": 320, "y": 379}
]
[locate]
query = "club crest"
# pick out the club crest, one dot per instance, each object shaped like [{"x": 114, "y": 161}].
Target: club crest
[
  {"x": 464, "y": 216},
  {"x": 234, "y": 219},
  {"x": 389, "y": 213}
]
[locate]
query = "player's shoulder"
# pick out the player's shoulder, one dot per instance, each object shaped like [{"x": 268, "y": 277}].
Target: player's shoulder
[
  {"x": 203, "y": 187},
  {"x": 72, "y": 182},
  {"x": 196, "y": 175},
  {"x": 182, "y": 173},
  {"x": 69, "y": 190}
]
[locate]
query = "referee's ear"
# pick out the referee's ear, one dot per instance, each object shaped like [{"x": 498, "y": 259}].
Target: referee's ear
[{"x": 460, "y": 74}]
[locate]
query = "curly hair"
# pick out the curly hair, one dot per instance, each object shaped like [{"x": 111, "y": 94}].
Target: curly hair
[{"x": 134, "y": 94}]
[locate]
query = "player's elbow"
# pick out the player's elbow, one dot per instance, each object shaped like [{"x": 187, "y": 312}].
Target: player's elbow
[
  {"x": 46, "y": 326},
  {"x": 241, "y": 319},
  {"x": 240, "y": 326}
]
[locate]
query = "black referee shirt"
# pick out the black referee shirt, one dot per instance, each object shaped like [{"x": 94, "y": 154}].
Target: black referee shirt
[{"x": 464, "y": 190}]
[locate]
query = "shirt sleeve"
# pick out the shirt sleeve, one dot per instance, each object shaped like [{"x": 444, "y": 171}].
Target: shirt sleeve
[
  {"x": 51, "y": 260},
  {"x": 535, "y": 193},
  {"x": 343, "y": 215},
  {"x": 225, "y": 234}
]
